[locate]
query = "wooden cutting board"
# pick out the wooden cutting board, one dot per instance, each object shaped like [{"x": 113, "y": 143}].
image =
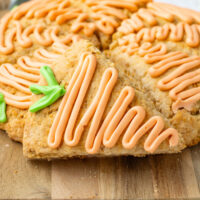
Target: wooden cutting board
[{"x": 154, "y": 177}]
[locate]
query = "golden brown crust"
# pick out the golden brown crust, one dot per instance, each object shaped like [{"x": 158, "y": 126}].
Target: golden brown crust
[
  {"x": 37, "y": 130},
  {"x": 104, "y": 24}
]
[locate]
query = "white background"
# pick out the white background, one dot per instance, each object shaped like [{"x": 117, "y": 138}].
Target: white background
[{"x": 193, "y": 4}]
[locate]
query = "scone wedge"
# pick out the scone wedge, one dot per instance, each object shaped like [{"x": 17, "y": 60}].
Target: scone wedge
[{"x": 103, "y": 113}]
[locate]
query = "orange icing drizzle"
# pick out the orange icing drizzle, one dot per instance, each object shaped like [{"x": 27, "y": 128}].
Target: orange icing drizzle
[
  {"x": 131, "y": 5},
  {"x": 178, "y": 81},
  {"x": 20, "y": 77},
  {"x": 88, "y": 27},
  {"x": 175, "y": 33},
  {"x": 49, "y": 36},
  {"x": 28, "y": 71},
  {"x": 59, "y": 47},
  {"x": 137, "y": 21},
  {"x": 115, "y": 123},
  {"x": 171, "y": 12},
  {"x": 39, "y": 9},
  {"x": 106, "y": 16},
  {"x": 13, "y": 77},
  {"x": 79, "y": 85},
  {"x": 131, "y": 25},
  {"x": 6, "y": 45},
  {"x": 44, "y": 36},
  {"x": 166, "y": 11},
  {"x": 46, "y": 56},
  {"x": 67, "y": 39},
  {"x": 107, "y": 13}
]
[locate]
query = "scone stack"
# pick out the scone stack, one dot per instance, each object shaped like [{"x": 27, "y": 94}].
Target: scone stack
[{"x": 100, "y": 78}]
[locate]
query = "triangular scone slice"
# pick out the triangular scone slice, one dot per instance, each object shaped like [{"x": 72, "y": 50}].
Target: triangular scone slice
[
  {"x": 169, "y": 73},
  {"x": 102, "y": 113}
]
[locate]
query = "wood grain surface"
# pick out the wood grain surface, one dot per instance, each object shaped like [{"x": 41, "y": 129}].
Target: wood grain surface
[{"x": 155, "y": 177}]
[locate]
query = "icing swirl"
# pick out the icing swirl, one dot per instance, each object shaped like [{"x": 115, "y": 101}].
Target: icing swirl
[
  {"x": 46, "y": 56},
  {"x": 172, "y": 31},
  {"x": 107, "y": 13},
  {"x": 6, "y": 45},
  {"x": 105, "y": 16},
  {"x": 149, "y": 16},
  {"x": 117, "y": 120},
  {"x": 20, "y": 77},
  {"x": 171, "y": 12},
  {"x": 178, "y": 81}
]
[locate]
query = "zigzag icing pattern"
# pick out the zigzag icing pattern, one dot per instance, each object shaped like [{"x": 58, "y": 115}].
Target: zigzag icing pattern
[
  {"x": 106, "y": 17},
  {"x": 173, "y": 32},
  {"x": 117, "y": 120},
  {"x": 43, "y": 36},
  {"x": 179, "y": 81},
  {"x": 157, "y": 10}
]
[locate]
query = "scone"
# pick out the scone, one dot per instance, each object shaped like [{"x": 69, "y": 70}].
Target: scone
[
  {"x": 164, "y": 59},
  {"x": 41, "y": 30},
  {"x": 102, "y": 113}
]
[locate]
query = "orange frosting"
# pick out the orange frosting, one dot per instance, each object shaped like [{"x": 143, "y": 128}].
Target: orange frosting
[
  {"x": 115, "y": 123},
  {"x": 79, "y": 82},
  {"x": 184, "y": 30},
  {"x": 106, "y": 16},
  {"x": 178, "y": 80},
  {"x": 174, "y": 32},
  {"x": 88, "y": 27},
  {"x": 20, "y": 77},
  {"x": 20, "y": 81},
  {"x": 44, "y": 36},
  {"x": 45, "y": 56},
  {"x": 149, "y": 16},
  {"x": 107, "y": 13},
  {"x": 6, "y": 45},
  {"x": 171, "y": 12}
]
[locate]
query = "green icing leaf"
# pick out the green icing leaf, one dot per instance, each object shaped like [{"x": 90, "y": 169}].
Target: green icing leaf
[
  {"x": 52, "y": 92},
  {"x": 48, "y": 75},
  {"x": 48, "y": 99},
  {"x": 37, "y": 89},
  {"x": 3, "y": 117}
]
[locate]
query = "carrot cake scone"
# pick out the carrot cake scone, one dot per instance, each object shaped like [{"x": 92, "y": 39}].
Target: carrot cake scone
[
  {"x": 101, "y": 113},
  {"x": 100, "y": 77}
]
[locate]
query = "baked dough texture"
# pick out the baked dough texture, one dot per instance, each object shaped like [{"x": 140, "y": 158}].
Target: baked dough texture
[
  {"x": 152, "y": 47},
  {"x": 37, "y": 130}
]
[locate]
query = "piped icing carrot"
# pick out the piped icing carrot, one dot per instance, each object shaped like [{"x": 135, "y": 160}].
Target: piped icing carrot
[
  {"x": 3, "y": 117},
  {"x": 117, "y": 122},
  {"x": 52, "y": 92},
  {"x": 178, "y": 80}
]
